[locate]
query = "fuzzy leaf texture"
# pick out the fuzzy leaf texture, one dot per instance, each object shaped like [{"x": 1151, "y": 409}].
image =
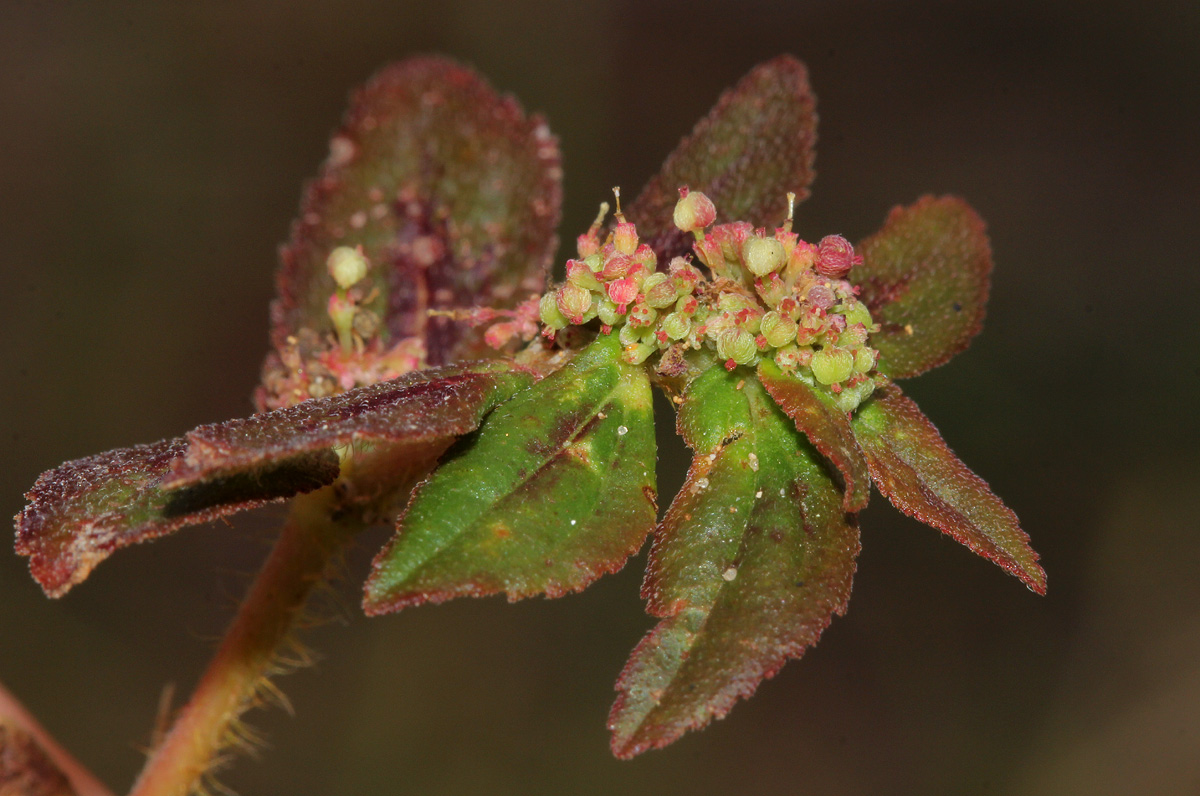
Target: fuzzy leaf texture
[
  {"x": 555, "y": 490},
  {"x": 914, "y": 469},
  {"x": 925, "y": 278},
  {"x": 82, "y": 511},
  {"x": 754, "y": 146},
  {"x": 447, "y": 186},
  {"x": 754, "y": 557}
]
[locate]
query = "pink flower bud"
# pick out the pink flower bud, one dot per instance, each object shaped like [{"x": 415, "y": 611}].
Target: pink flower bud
[
  {"x": 587, "y": 245},
  {"x": 622, "y": 292},
  {"x": 618, "y": 266},
  {"x": 821, "y": 297},
  {"x": 625, "y": 238},
  {"x": 693, "y": 211},
  {"x": 574, "y": 302},
  {"x": 578, "y": 273},
  {"x": 835, "y": 256}
]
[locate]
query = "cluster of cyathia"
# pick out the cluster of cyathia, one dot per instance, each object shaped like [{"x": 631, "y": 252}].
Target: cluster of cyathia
[
  {"x": 770, "y": 296},
  {"x": 312, "y": 365}
]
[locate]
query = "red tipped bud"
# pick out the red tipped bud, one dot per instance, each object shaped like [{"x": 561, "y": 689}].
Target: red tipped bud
[
  {"x": 694, "y": 211},
  {"x": 660, "y": 290},
  {"x": 574, "y": 302},
  {"x": 625, "y": 238},
  {"x": 835, "y": 256},
  {"x": 619, "y": 265},
  {"x": 622, "y": 292},
  {"x": 579, "y": 274}
]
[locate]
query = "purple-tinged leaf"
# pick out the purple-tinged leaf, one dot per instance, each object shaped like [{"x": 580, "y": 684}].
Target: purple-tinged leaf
[
  {"x": 429, "y": 407},
  {"x": 555, "y": 490},
  {"x": 752, "y": 148},
  {"x": 827, "y": 428},
  {"x": 925, "y": 278},
  {"x": 81, "y": 511},
  {"x": 453, "y": 193},
  {"x": 753, "y": 559},
  {"x": 914, "y": 469}
]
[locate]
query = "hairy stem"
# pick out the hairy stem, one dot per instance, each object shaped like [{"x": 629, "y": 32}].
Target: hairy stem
[{"x": 313, "y": 534}]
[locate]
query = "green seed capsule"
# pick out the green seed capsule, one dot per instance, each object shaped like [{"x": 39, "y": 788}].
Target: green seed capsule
[
  {"x": 864, "y": 360},
  {"x": 660, "y": 290},
  {"x": 778, "y": 329},
  {"x": 549, "y": 312},
  {"x": 856, "y": 312},
  {"x": 606, "y": 310},
  {"x": 676, "y": 325},
  {"x": 832, "y": 365},
  {"x": 737, "y": 345},
  {"x": 642, "y": 315},
  {"x": 763, "y": 255},
  {"x": 851, "y": 398}
]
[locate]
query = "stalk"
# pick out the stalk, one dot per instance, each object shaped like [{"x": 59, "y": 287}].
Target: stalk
[{"x": 313, "y": 534}]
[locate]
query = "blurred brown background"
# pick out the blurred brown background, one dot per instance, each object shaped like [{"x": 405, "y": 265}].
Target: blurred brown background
[{"x": 151, "y": 159}]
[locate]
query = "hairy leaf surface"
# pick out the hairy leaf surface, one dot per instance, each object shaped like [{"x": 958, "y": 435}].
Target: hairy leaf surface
[
  {"x": 914, "y": 469},
  {"x": 453, "y": 193},
  {"x": 754, "y": 146},
  {"x": 925, "y": 278},
  {"x": 827, "y": 428},
  {"x": 754, "y": 557},
  {"x": 81, "y": 511},
  {"x": 555, "y": 490}
]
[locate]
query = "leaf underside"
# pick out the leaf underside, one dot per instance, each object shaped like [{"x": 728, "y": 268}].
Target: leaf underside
[
  {"x": 754, "y": 146},
  {"x": 827, "y": 428},
  {"x": 754, "y": 557},
  {"x": 925, "y": 278},
  {"x": 82, "y": 511},
  {"x": 555, "y": 490},
  {"x": 914, "y": 469},
  {"x": 453, "y": 193}
]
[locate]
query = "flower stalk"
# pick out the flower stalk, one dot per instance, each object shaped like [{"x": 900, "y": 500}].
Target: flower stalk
[{"x": 316, "y": 530}]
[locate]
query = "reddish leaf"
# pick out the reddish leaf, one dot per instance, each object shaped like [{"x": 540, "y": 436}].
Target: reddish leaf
[
  {"x": 26, "y": 769},
  {"x": 82, "y": 511},
  {"x": 449, "y": 189},
  {"x": 925, "y": 278},
  {"x": 754, "y": 146},
  {"x": 914, "y": 469},
  {"x": 752, "y": 560},
  {"x": 555, "y": 490},
  {"x": 827, "y": 428}
]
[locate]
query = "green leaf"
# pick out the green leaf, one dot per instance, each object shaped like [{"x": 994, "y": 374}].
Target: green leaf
[
  {"x": 754, "y": 557},
  {"x": 827, "y": 428},
  {"x": 754, "y": 146},
  {"x": 556, "y": 489},
  {"x": 925, "y": 278},
  {"x": 82, "y": 511},
  {"x": 913, "y": 468},
  {"x": 453, "y": 193}
]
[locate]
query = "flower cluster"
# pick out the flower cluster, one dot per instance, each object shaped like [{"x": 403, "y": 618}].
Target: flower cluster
[
  {"x": 312, "y": 365},
  {"x": 767, "y": 295}
]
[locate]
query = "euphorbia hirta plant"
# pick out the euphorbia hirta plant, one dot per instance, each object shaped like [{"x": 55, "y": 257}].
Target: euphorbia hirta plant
[{"x": 424, "y": 374}]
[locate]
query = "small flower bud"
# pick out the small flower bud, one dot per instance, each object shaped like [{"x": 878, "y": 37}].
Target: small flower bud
[
  {"x": 607, "y": 311},
  {"x": 549, "y": 313},
  {"x": 646, "y": 256},
  {"x": 587, "y": 245},
  {"x": 676, "y": 325},
  {"x": 853, "y": 337},
  {"x": 856, "y": 312},
  {"x": 366, "y": 323},
  {"x": 625, "y": 238},
  {"x": 832, "y": 365},
  {"x": 660, "y": 290},
  {"x": 835, "y": 256},
  {"x": 694, "y": 211},
  {"x": 623, "y": 292},
  {"x": 637, "y": 353},
  {"x": 341, "y": 312},
  {"x": 595, "y": 262},
  {"x": 580, "y": 275},
  {"x": 347, "y": 266},
  {"x": 821, "y": 297},
  {"x": 864, "y": 360},
  {"x": 771, "y": 289},
  {"x": 763, "y": 255},
  {"x": 779, "y": 330},
  {"x": 616, "y": 267},
  {"x": 574, "y": 302},
  {"x": 737, "y": 345}
]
